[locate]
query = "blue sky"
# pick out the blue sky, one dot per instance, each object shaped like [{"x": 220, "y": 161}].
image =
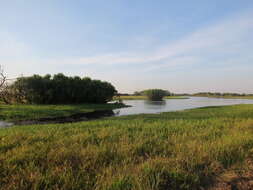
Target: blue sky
[{"x": 182, "y": 46}]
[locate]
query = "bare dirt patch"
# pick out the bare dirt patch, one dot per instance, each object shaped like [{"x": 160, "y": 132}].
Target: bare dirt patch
[{"x": 235, "y": 179}]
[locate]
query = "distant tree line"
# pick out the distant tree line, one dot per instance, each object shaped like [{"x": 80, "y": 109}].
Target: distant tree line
[
  {"x": 213, "y": 94},
  {"x": 58, "y": 89},
  {"x": 217, "y": 94}
]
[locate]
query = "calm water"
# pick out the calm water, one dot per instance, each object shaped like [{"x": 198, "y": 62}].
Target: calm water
[
  {"x": 4, "y": 124},
  {"x": 143, "y": 106}
]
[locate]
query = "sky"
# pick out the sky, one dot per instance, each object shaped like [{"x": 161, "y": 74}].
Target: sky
[{"x": 182, "y": 46}]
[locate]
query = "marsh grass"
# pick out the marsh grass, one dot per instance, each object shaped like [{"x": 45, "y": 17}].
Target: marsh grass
[
  {"x": 175, "y": 150},
  {"x": 26, "y": 112}
]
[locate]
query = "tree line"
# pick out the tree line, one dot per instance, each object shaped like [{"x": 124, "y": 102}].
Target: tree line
[
  {"x": 57, "y": 89},
  {"x": 220, "y": 94}
]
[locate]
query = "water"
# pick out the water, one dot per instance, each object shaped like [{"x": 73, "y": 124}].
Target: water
[
  {"x": 144, "y": 106},
  {"x": 138, "y": 107},
  {"x": 4, "y": 124}
]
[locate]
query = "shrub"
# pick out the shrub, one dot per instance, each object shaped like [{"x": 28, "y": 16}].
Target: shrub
[
  {"x": 155, "y": 94},
  {"x": 59, "y": 89}
]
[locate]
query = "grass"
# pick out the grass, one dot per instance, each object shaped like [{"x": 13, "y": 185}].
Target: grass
[
  {"x": 174, "y": 150},
  {"x": 144, "y": 97},
  {"x": 26, "y": 112}
]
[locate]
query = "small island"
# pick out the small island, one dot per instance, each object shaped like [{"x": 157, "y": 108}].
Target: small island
[{"x": 150, "y": 94}]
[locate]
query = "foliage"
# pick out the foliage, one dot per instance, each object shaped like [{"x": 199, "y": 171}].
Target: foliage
[
  {"x": 60, "y": 89},
  {"x": 3, "y": 86},
  {"x": 143, "y": 92},
  {"x": 155, "y": 94},
  {"x": 175, "y": 150},
  {"x": 223, "y": 95},
  {"x": 136, "y": 93},
  {"x": 3, "y": 78}
]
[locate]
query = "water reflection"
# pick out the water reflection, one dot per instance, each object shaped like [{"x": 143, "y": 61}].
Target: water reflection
[
  {"x": 143, "y": 106},
  {"x": 155, "y": 105},
  {"x": 117, "y": 112},
  {"x": 159, "y": 103},
  {"x": 68, "y": 119},
  {"x": 4, "y": 124}
]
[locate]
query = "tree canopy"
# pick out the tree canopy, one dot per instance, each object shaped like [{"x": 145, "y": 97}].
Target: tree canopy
[
  {"x": 59, "y": 89},
  {"x": 156, "y": 94}
]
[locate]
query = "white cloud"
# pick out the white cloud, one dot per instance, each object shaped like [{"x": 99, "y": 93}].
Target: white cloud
[{"x": 228, "y": 36}]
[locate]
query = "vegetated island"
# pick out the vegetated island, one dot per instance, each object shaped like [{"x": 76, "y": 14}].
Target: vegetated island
[{"x": 150, "y": 94}]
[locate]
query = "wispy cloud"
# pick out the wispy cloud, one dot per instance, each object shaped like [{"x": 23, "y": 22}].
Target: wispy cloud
[{"x": 231, "y": 35}]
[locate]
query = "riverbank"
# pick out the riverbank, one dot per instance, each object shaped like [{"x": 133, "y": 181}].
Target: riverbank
[
  {"x": 21, "y": 112},
  {"x": 175, "y": 150},
  {"x": 145, "y": 97}
]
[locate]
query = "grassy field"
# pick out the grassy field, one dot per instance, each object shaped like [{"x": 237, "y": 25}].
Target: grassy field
[
  {"x": 176, "y": 150},
  {"x": 144, "y": 97},
  {"x": 26, "y": 112}
]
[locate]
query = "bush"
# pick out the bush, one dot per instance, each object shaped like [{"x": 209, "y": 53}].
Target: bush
[
  {"x": 156, "y": 94},
  {"x": 59, "y": 89}
]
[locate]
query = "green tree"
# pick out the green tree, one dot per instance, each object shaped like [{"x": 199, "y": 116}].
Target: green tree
[
  {"x": 156, "y": 94},
  {"x": 60, "y": 89}
]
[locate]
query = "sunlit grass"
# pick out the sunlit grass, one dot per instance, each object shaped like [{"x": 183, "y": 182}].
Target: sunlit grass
[
  {"x": 175, "y": 150},
  {"x": 26, "y": 112}
]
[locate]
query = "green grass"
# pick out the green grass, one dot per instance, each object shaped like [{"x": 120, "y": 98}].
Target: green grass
[
  {"x": 175, "y": 150},
  {"x": 26, "y": 112},
  {"x": 145, "y": 98}
]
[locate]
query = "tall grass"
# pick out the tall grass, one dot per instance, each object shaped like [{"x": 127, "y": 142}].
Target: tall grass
[
  {"x": 26, "y": 112},
  {"x": 175, "y": 150}
]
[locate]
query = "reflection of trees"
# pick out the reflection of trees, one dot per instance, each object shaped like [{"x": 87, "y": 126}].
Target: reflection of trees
[
  {"x": 116, "y": 112},
  {"x": 156, "y": 103}
]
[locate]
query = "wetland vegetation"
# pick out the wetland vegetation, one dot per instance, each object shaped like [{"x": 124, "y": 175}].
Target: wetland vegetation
[
  {"x": 189, "y": 149},
  {"x": 19, "y": 112}
]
